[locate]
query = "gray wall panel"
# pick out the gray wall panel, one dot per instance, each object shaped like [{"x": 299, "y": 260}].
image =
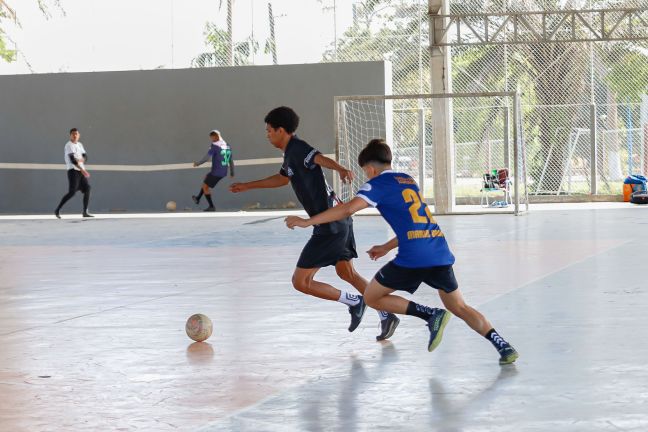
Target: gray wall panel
[{"x": 162, "y": 117}]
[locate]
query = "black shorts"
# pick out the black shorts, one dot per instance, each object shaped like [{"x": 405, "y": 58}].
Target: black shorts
[
  {"x": 327, "y": 249},
  {"x": 77, "y": 182},
  {"x": 408, "y": 279},
  {"x": 211, "y": 180}
]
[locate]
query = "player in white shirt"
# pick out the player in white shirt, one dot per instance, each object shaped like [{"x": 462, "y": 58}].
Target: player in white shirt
[{"x": 75, "y": 158}]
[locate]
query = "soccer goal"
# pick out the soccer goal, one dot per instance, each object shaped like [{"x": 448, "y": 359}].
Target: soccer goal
[{"x": 472, "y": 157}]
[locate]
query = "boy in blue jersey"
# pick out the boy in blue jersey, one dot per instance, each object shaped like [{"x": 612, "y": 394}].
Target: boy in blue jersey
[
  {"x": 220, "y": 155},
  {"x": 331, "y": 243},
  {"x": 423, "y": 253}
]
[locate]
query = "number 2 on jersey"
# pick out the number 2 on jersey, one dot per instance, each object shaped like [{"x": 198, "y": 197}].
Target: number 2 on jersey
[{"x": 411, "y": 196}]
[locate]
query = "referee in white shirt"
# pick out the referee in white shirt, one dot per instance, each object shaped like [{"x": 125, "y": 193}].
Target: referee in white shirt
[{"x": 75, "y": 158}]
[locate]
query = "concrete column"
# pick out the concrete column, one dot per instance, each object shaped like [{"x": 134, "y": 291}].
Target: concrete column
[{"x": 441, "y": 82}]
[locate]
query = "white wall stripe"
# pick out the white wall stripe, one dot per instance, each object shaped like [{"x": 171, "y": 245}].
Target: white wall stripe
[{"x": 140, "y": 168}]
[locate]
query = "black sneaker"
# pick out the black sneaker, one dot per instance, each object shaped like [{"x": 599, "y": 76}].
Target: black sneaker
[
  {"x": 357, "y": 312},
  {"x": 388, "y": 327},
  {"x": 210, "y": 209},
  {"x": 436, "y": 324},
  {"x": 57, "y": 213},
  {"x": 87, "y": 215},
  {"x": 195, "y": 199},
  {"x": 508, "y": 355}
]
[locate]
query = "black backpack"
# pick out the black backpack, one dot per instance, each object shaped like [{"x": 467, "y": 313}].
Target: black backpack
[{"x": 639, "y": 197}]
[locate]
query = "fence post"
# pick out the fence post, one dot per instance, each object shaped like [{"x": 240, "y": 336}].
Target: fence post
[
  {"x": 593, "y": 151},
  {"x": 516, "y": 154},
  {"x": 441, "y": 82},
  {"x": 421, "y": 153},
  {"x": 507, "y": 144}
]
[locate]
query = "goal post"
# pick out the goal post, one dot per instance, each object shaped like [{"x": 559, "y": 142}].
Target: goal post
[{"x": 486, "y": 144}]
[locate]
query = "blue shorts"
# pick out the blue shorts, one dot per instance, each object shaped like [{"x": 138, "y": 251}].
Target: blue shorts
[{"x": 408, "y": 279}]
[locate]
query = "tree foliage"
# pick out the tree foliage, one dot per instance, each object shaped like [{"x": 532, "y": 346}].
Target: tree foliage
[
  {"x": 218, "y": 41},
  {"x": 7, "y": 13}
]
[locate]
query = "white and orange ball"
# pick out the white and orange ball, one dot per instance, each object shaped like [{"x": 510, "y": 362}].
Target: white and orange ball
[{"x": 199, "y": 327}]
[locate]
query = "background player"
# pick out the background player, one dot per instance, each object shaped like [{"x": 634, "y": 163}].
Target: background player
[
  {"x": 75, "y": 157},
  {"x": 220, "y": 154},
  {"x": 423, "y": 253}
]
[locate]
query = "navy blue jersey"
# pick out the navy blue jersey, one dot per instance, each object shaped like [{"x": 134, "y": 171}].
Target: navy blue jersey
[
  {"x": 220, "y": 154},
  {"x": 420, "y": 240},
  {"x": 309, "y": 183}
]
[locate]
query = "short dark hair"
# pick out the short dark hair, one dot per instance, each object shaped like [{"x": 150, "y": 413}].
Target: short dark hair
[
  {"x": 73, "y": 130},
  {"x": 377, "y": 151},
  {"x": 283, "y": 117}
]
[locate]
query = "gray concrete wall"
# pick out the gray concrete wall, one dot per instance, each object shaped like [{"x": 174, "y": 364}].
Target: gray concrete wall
[{"x": 162, "y": 117}]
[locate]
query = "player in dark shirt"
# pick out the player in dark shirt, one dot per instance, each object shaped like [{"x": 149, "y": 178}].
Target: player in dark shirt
[
  {"x": 423, "y": 253},
  {"x": 220, "y": 155},
  {"x": 331, "y": 243}
]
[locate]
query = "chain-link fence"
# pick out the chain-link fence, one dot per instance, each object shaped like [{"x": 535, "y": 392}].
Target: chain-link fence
[
  {"x": 484, "y": 141},
  {"x": 566, "y": 86}
]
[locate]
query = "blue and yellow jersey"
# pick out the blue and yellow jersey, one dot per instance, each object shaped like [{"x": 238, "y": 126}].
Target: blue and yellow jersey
[{"x": 398, "y": 199}]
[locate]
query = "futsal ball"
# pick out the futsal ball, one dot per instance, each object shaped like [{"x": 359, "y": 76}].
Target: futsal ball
[
  {"x": 171, "y": 206},
  {"x": 199, "y": 327}
]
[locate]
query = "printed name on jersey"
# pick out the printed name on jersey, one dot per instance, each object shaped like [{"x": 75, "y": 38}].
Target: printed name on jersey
[
  {"x": 421, "y": 234},
  {"x": 309, "y": 156},
  {"x": 405, "y": 180}
]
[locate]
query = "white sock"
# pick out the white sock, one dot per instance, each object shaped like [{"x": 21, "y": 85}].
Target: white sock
[
  {"x": 383, "y": 315},
  {"x": 349, "y": 299}
]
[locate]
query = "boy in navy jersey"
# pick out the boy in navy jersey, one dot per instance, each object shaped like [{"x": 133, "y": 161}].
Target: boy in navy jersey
[
  {"x": 332, "y": 243},
  {"x": 220, "y": 155},
  {"x": 423, "y": 253}
]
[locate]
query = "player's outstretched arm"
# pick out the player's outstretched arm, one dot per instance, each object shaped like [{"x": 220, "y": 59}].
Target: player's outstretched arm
[
  {"x": 204, "y": 159},
  {"x": 333, "y": 214},
  {"x": 274, "y": 181},
  {"x": 345, "y": 175},
  {"x": 381, "y": 250}
]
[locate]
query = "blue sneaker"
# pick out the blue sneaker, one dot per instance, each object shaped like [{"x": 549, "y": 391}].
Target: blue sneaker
[
  {"x": 436, "y": 324},
  {"x": 388, "y": 327},
  {"x": 357, "y": 312},
  {"x": 508, "y": 355}
]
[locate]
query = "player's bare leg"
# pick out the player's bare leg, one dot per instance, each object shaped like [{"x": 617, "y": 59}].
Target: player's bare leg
[
  {"x": 303, "y": 282},
  {"x": 455, "y": 303}
]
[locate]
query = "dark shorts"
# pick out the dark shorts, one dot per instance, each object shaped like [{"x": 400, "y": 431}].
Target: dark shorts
[
  {"x": 327, "y": 249},
  {"x": 77, "y": 182},
  {"x": 408, "y": 279},
  {"x": 211, "y": 180}
]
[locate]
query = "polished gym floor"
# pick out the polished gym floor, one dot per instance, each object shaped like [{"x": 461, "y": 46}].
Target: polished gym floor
[{"x": 92, "y": 316}]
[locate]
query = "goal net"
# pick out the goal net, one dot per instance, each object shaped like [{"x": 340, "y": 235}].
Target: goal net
[{"x": 479, "y": 154}]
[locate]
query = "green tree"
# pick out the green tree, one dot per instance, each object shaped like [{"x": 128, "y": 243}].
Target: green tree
[
  {"x": 219, "y": 54},
  {"x": 7, "y": 13},
  {"x": 223, "y": 51}
]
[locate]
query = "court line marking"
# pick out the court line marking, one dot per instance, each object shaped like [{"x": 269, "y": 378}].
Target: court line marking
[
  {"x": 139, "y": 168},
  {"x": 198, "y": 214}
]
